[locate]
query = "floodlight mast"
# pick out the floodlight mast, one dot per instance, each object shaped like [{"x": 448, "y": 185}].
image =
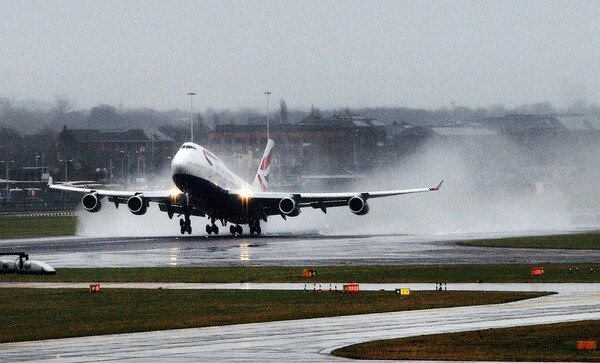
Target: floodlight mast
[
  {"x": 267, "y": 93},
  {"x": 191, "y": 94}
]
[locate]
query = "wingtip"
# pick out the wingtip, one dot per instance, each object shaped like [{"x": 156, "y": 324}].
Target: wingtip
[
  {"x": 50, "y": 181},
  {"x": 438, "y": 186}
]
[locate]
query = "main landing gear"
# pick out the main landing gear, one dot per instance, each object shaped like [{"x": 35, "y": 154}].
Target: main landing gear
[
  {"x": 212, "y": 228},
  {"x": 186, "y": 225},
  {"x": 237, "y": 229},
  {"x": 254, "y": 227},
  {"x": 234, "y": 229}
]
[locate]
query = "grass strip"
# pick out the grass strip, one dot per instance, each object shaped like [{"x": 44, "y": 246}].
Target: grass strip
[
  {"x": 540, "y": 343},
  {"x": 578, "y": 241},
  {"x": 553, "y": 273},
  {"x": 37, "y": 226},
  {"x": 32, "y": 314}
]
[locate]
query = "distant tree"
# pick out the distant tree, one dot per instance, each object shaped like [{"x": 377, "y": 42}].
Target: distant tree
[
  {"x": 540, "y": 108},
  {"x": 4, "y": 104},
  {"x": 284, "y": 114},
  {"x": 201, "y": 130},
  {"x": 579, "y": 107},
  {"x": 315, "y": 112},
  {"x": 143, "y": 118},
  {"x": 179, "y": 133},
  {"x": 60, "y": 110},
  {"x": 11, "y": 140},
  {"x": 104, "y": 116},
  {"x": 66, "y": 139}
]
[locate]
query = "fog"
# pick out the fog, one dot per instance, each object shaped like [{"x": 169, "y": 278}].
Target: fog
[
  {"x": 478, "y": 196},
  {"x": 489, "y": 187},
  {"x": 425, "y": 54}
]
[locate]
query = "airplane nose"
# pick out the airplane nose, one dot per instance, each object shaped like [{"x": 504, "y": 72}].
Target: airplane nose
[{"x": 178, "y": 164}]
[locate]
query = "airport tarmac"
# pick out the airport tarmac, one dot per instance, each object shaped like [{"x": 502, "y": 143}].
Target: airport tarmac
[
  {"x": 300, "y": 340},
  {"x": 312, "y": 340},
  {"x": 284, "y": 250}
]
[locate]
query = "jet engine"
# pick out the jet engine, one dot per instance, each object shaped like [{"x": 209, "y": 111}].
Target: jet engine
[
  {"x": 137, "y": 205},
  {"x": 289, "y": 207},
  {"x": 91, "y": 202},
  {"x": 358, "y": 205}
]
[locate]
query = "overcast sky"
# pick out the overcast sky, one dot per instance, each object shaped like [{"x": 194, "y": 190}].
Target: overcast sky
[{"x": 331, "y": 54}]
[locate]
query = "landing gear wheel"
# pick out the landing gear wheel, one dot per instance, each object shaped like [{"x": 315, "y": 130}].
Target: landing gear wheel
[
  {"x": 186, "y": 225},
  {"x": 237, "y": 229},
  {"x": 254, "y": 227}
]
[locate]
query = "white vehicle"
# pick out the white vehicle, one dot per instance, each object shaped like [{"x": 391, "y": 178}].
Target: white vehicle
[
  {"x": 23, "y": 265},
  {"x": 207, "y": 188}
]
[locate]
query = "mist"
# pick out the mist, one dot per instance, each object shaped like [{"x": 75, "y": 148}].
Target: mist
[{"x": 489, "y": 187}]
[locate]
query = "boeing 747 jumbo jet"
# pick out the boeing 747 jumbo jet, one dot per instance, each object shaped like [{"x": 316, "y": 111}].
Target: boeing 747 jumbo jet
[{"x": 207, "y": 188}]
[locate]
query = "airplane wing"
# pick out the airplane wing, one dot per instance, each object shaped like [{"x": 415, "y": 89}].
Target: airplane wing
[
  {"x": 289, "y": 204},
  {"x": 172, "y": 202}
]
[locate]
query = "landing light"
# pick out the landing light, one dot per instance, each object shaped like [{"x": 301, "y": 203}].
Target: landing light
[
  {"x": 173, "y": 193},
  {"x": 245, "y": 193}
]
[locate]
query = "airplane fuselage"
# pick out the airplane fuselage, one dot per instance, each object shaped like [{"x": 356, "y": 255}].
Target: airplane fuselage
[{"x": 206, "y": 180}]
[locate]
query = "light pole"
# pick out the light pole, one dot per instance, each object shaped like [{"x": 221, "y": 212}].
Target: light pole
[
  {"x": 191, "y": 94},
  {"x": 66, "y": 165},
  {"x": 267, "y": 93},
  {"x": 7, "y": 182}
]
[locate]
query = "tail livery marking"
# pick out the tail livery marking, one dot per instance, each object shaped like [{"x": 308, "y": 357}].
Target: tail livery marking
[
  {"x": 261, "y": 180},
  {"x": 266, "y": 163}
]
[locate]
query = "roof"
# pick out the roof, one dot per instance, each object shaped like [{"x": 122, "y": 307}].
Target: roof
[
  {"x": 116, "y": 135},
  {"x": 285, "y": 128},
  {"x": 341, "y": 120},
  {"x": 522, "y": 122},
  {"x": 579, "y": 122},
  {"x": 463, "y": 131}
]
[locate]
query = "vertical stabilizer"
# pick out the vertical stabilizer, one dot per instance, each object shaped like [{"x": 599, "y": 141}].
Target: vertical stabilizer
[{"x": 261, "y": 181}]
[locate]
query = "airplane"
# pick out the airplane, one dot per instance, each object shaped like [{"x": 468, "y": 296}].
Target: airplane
[
  {"x": 207, "y": 188},
  {"x": 23, "y": 265}
]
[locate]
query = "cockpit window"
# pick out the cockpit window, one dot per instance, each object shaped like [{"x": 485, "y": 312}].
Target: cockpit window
[{"x": 188, "y": 147}]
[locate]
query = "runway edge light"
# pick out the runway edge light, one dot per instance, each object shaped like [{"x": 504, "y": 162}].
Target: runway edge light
[
  {"x": 586, "y": 345},
  {"x": 537, "y": 271},
  {"x": 351, "y": 288}
]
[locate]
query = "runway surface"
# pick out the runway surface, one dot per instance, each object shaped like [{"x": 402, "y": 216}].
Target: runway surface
[
  {"x": 292, "y": 250},
  {"x": 302, "y": 340},
  {"x": 313, "y": 339}
]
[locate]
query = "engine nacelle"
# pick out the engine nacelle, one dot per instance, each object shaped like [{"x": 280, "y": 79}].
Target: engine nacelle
[
  {"x": 91, "y": 202},
  {"x": 289, "y": 207},
  {"x": 137, "y": 205},
  {"x": 358, "y": 206}
]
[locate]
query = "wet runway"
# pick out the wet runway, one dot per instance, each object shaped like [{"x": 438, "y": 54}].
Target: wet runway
[
  {"x": 294, "y": 250},
  {"x": 300, "y": 340},
  {"x": 313, "y": 339}
]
